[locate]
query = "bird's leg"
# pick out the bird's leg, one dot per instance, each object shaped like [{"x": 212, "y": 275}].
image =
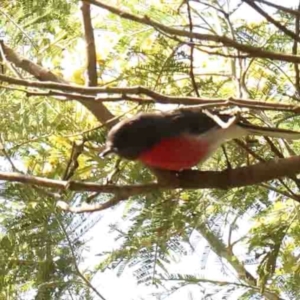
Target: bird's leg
[
  {"x": 165, "y": 176},
  {"x": 229, "y": 167},
  {"x": 116, "y": 170}
]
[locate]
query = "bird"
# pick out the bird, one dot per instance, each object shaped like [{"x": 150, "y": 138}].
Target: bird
[{"x": 179, "y": 139}]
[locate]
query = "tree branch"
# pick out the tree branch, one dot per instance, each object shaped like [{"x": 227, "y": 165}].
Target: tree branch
[
  {"x": 157, "y": 97},
  {"x": 98, "y": 109},
  {"x": 189, "y": 179},
  {"x": 224, "y": 252},
  {"x": 277, "y": 24},
  {"x": 89, "y": 207},
  {"x": 280, "y": 7},
  {"x": 32, "y": 68},
  {"x": 251, "y": 50},
  {"x": 69, "y": 96},
  {"x": 90, "y": 45},
  {"x": 192, "y": 46},
  {"x": 295, "y": 51}
]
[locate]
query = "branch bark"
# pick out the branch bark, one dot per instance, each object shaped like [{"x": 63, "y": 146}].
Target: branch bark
[
  {"x": 189, "y": 179},
  {"x": 98, "y": 109},
  {"x": 90, "y": 45}
]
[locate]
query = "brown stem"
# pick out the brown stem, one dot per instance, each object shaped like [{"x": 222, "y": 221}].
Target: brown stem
[
  {"x": 90, "y": 45},
  {"x": 157, "y": 97}
]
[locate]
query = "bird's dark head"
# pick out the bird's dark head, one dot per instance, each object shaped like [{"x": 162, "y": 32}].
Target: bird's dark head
[{"x": 129, "y": 138}]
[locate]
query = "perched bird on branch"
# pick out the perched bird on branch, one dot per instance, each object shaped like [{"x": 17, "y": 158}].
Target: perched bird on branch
[{"x": 180, "y": 139}]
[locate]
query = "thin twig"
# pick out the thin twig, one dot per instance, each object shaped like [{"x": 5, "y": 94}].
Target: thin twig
[
  {"x": 280, "y": 7},
  {"x": 100, "y": 126},
  {"x": 7, "y": 156},
  {"x": 251, "y": 50},
  {"x": 98, "y": 109},
  {"x": 295, "y": 51},
  {"x": 73, "y": 164},
  {"x": 230, "y": 246},
  {"x": 20, "y": 28},
  {"x": 282, "y": 193},
  {"x": 89, "y": 207},
  {"x": 192, "y": 75},
  {"x": 85, "y": 280},
  {"x": 271, "y": 20},
  {"x": 260, "y": 159},
  {"x": 157, "y": 97}
]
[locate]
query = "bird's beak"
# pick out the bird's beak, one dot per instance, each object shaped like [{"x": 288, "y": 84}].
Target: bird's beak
[{"x": 106, "y": 151}]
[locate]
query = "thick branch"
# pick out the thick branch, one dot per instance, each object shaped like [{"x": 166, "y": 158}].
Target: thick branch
[
  {"x": 90, "y": 45},
  {"x": 189, "y": 179},
  {"x": 32, "y": 68},
  {"x": 251, "y": 50},
  {"x": 98, "y": 109}
]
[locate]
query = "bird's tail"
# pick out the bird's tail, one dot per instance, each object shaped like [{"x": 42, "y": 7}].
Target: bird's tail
[{"x": 271, "y": 132}]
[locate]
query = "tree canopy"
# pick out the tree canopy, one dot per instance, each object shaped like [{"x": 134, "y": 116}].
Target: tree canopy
[{"x": 70, "y": 70}]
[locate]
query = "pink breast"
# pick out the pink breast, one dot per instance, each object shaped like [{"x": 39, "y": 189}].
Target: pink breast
[{"x": 176, "y": 153}]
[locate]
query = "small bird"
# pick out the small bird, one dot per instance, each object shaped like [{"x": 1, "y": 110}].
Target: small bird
[{"x": 179, "y": 139}]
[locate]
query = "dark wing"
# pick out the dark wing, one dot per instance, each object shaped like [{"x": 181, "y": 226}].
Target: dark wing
[
  {"x": 131, "y": 137},
  {"x": 192, "y": 122}
]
